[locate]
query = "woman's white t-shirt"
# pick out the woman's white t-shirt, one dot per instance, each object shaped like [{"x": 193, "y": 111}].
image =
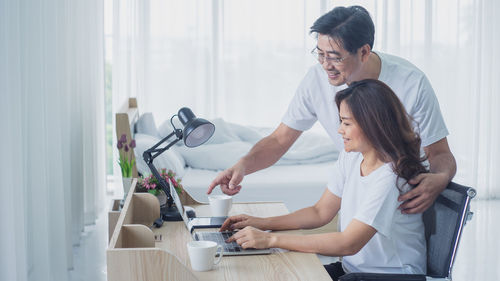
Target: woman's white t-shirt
[{"x": 399, "y": 244}]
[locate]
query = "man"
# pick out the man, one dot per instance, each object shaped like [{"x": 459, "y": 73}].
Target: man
[{"x": 344, "y": 50}]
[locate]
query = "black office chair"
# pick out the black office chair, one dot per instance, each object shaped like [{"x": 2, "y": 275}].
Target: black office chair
[{"x": 443, "y": 222}]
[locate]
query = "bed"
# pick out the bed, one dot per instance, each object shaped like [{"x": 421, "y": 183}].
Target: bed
[{"x": 298, "y": 179}]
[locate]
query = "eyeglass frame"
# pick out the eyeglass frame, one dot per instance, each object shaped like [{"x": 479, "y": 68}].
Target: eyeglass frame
[{"x": 321, "y": 58}]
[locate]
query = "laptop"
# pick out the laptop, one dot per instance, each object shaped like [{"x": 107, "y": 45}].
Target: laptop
[{"x": 230, "y": 249}]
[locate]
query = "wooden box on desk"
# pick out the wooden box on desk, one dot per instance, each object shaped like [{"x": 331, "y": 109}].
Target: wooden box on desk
[
  {"x": 115, "y": 210},
  {"x": 131, "y": 254},
  {"x": 113, "y": 215}
]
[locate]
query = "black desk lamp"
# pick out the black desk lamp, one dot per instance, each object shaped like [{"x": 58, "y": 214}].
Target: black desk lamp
[{"x": 196, "y": 132}]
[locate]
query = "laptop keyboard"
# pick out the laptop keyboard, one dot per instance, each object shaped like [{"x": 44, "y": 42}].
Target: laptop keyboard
[{"x": 220, "y": 238}]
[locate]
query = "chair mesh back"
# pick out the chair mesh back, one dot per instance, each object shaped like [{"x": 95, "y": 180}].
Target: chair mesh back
[{"x": 442, "y": 227}]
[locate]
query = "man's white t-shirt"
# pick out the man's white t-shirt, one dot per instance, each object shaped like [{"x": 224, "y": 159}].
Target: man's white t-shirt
[
  {"x": 315, "y": 100},
  {"x": 399, "y": 245}
]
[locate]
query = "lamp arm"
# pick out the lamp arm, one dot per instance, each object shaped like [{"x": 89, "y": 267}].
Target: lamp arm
[
  {"x": 163, "y": 183},
  {"x": 150, "y": 151},
  {"x": 148, "y": 157},
  {"x": 161, "y": 150}
]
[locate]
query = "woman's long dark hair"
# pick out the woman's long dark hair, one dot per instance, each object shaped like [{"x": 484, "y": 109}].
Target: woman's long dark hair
[{"x": 385, "y": 124}]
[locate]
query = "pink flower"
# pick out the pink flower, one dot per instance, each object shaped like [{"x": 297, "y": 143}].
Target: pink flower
[
  {"x": 151, "y": 183},
  {"x": 174, "y": 182}
]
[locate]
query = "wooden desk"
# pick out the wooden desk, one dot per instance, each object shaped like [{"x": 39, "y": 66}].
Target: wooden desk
[{"x": 133, "y": 253}]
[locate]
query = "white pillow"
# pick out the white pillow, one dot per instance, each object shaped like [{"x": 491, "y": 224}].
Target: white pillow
[
  {"x": 214, "y": 156},
  {"x": 166, "y": 128},
  {"x": 245, "y": 133},
  {"x": 169, "y": 159},
  {"x": 222, "y": 134},
  {"x": 146, "y": 125},
  {"x": 179, "y": 155}
]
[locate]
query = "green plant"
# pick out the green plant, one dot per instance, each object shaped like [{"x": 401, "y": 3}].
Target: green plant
[
  {"x": 127, "y": 160},
  {"x": 151, "y": 184}
]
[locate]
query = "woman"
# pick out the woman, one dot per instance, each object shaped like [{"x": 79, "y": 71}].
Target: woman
[{"x": 382, "y": 152}]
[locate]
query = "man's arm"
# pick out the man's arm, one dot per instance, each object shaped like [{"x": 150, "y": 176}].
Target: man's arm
[
  {"x": 442, "y": 169},
  {"x": 262, "y": 155}
]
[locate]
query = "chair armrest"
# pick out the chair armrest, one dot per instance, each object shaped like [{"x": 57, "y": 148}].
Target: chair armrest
[{"x": 360, "y": 276}]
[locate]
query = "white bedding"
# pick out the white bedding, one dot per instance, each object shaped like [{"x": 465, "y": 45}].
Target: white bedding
[
  {"x": 231, "y": 141},
  {"x": 298, "y": 179}
]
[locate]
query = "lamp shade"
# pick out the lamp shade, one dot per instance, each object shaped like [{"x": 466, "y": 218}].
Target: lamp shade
[{"x": 196, "y": 130}]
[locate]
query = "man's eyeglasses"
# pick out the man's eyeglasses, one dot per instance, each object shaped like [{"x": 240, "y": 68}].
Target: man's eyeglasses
[{"x": 321, "y": 58}]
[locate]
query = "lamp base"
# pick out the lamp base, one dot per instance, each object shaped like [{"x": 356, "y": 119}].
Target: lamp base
[{"x": 170, "y": 214}]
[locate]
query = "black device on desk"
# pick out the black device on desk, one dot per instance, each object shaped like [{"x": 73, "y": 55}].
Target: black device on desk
[
  {"x": 202, "y": 222},
  {"x": 207, "y": 222}
]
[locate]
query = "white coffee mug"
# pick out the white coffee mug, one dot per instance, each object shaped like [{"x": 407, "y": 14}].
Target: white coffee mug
[
  {"x": 220, "y": 205},
  {"x": 202, "y": 254}
]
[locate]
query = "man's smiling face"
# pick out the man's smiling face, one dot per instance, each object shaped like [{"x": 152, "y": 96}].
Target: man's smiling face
[{"x": 341, "y": 66}]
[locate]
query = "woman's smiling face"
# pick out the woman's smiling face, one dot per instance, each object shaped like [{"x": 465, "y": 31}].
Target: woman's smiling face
[{"x": 354, "y": 138}]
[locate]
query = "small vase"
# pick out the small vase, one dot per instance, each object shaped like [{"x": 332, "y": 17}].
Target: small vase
[{"x": 127, "y": 182}]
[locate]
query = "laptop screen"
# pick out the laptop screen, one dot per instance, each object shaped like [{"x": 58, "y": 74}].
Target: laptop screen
[{"x": 178, "y": 203}]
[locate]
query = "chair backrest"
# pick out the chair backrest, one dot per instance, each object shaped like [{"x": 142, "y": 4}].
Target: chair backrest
[{"x": 443, "y": 222}]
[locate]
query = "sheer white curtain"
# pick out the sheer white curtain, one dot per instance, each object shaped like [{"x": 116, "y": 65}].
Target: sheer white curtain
[
  {"x": 230, "y": 59},
  {"x": 242, "y": 60},
  {"x": 52, "y": 124}
]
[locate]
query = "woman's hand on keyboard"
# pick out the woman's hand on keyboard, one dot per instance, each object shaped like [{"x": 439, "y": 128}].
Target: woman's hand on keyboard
[
  {"x": 242, "y": 221},
  {"x": 251, "y": 237}
]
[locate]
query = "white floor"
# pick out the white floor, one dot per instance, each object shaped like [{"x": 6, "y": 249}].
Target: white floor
[
  {"x": 90, "y": 256},
  {"x": 478, "y": 256}
]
